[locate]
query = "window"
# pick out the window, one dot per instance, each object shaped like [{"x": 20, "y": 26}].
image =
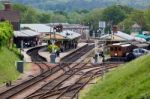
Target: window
[
  {"x": 111, "y": 49},
  {"x": 119, "y": 49},
  {"x": 115, "y": 48}
]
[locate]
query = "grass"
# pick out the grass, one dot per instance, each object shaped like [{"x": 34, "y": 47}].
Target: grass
[
  {"x": 7, "y": 65},
  {"x": 130, "y": 81}
]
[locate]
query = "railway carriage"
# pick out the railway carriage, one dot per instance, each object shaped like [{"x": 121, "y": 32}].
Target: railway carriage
[
  {"x": 125, "y": 50},
  {"x": 122, "y": 51}
]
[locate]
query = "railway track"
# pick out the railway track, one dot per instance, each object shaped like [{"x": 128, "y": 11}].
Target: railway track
[
  {"x": 35, "y": 57},
  {"x": 56, "y": 83},
  {"x": 25, "y": 85},
  {"x": 54, "y": 87},
  {"x": 69, "y": 92},
  {"x": 79, "y": 84}
]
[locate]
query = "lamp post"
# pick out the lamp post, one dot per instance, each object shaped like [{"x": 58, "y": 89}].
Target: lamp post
[
  {"x": 53, "y": 41},
  {"x": 50, "y": 35}
]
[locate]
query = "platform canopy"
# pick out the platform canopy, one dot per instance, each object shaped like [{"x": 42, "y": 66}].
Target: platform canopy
[
  {"x": 41, "y": 28},
  {"x": 64, "y": 35},
  {"x": 25, "y": 33},
  {"x": 52, "y": 36}
]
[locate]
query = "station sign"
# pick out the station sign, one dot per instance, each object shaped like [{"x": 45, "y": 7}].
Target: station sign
[{"x": 102, "y": 24}]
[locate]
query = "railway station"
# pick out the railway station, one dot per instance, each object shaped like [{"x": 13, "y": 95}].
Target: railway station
[
  {"x": 70, "y": 68},
  {"x": 60, "y": 60}
]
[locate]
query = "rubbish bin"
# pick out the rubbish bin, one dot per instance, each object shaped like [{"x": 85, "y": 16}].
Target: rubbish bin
[
  {"x": 53, "y": 58},
  {"x": 20, "y": 67}
]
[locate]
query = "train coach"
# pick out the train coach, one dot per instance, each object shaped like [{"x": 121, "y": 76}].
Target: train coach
[
  {"x": 127, "y": 51},
  {"x": 120, "y": 50}
]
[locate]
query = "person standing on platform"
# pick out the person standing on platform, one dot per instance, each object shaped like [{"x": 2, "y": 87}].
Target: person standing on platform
[{"x": 57, "y": 53}]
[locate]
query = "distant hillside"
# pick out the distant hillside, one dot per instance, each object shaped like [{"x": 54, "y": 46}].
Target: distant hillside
[
  {"x": 65, "y": 5},
  {"x": 130, "y": 81}
]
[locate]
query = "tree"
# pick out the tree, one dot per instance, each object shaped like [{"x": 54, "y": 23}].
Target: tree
[
  {"x": 74, "y": 17},
  {"x": 44, "y": 17},
  {"x": 6, "y": 33},
  {"x": 28, "y": 14},
  {"x": 113, "y": 14},
  {"x": 147, "y": 18},
  {"x": 58, "y": 18},
  {"x": 137, "y": 16},
  {"x": 92, "y": 18}
]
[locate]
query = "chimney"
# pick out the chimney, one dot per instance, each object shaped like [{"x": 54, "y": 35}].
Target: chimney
[
  {"x": 114, "y": 29},
  {"x": 7, "y": 6}
]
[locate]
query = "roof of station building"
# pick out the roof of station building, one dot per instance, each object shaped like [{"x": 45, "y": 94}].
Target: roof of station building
[
  {"x": 25, "y": 33},
  {"x": 38, "y": 27}
]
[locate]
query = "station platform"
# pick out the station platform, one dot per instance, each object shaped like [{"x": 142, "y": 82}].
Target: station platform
[{"x": 46, "y": 54}]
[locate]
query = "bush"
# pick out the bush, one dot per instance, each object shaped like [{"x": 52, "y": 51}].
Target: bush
[
  {"x": 16, "y": 51},
  {"x": 6, "y": 33},
  {"x": 52, "y": 48}
]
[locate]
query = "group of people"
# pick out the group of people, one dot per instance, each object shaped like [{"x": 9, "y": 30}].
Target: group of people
[
  {"x": 29, "y": 44},
  {"x": 96, "y": 57}
]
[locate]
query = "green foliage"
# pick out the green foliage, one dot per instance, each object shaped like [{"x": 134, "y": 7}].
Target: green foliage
[
  {"x": 52, "y": 48},
  {"x": 1, "y": 6},
  {"x": 92, "y": 18},
  {"x": 44, "y": 17},
  {"x": 7, "y": 65},
  {"x": 113, "y": 14},
  {"x": 16, "y": 51},
  {"x": 70, "y": 5},
  {"x": 6, "y": 33},
  {"x": 58, "y": 18},
  {"x": 125, "y": 25},
  {"x": 28, "y": 14},
  {"x": 129, "y": 81},
  {"x": 123, "y": 16},
  {"x": 136, "y": 16},
  {"x": 147, "y": 18},
  {"x": 75, "y": 16}
]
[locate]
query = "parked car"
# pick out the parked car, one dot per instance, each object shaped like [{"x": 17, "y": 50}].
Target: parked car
[{"x": 139, "y": 51}]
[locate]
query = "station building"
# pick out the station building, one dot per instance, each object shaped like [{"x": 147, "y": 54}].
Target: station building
[
  {"x": 8, "y": 14},
  {"x": 36, "y": 34}
]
